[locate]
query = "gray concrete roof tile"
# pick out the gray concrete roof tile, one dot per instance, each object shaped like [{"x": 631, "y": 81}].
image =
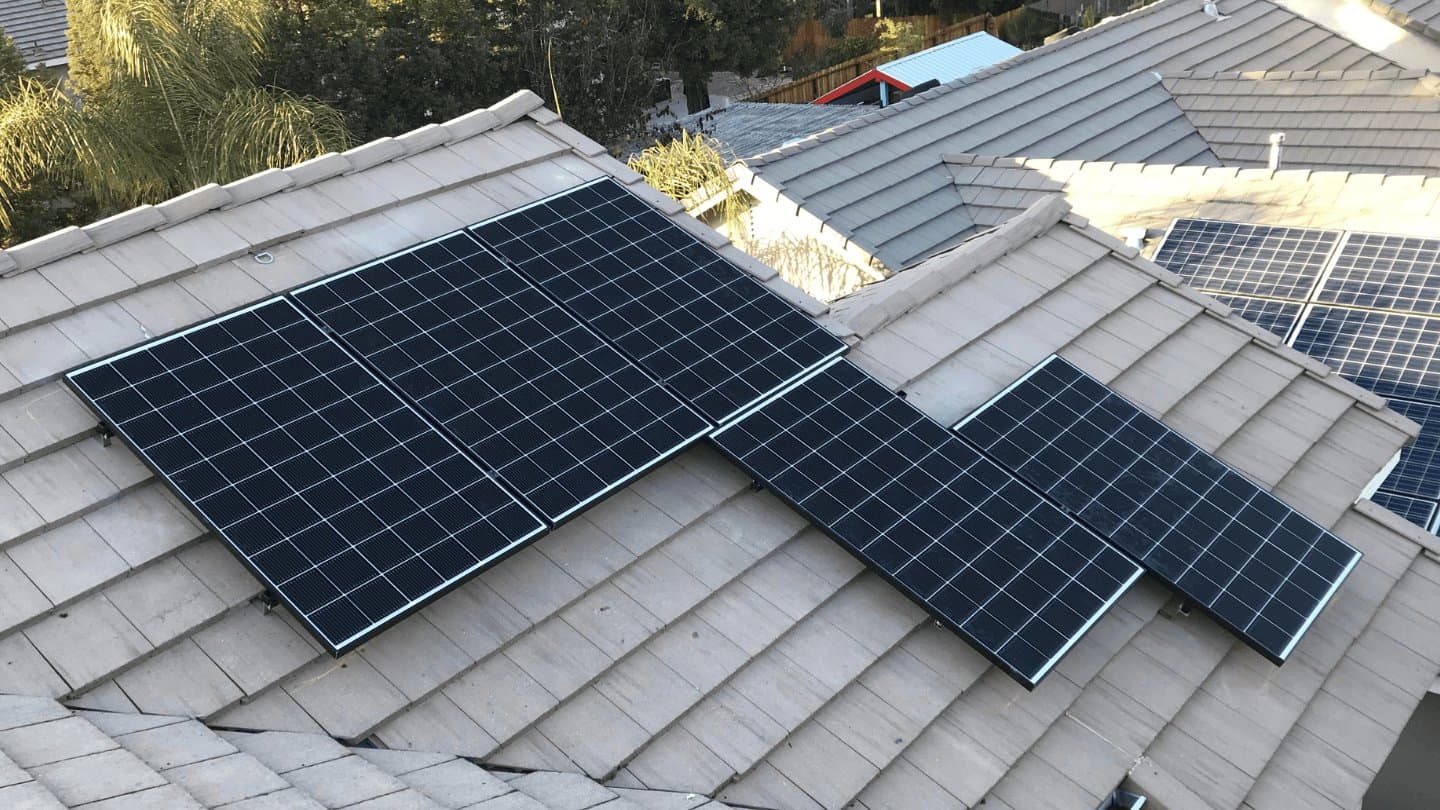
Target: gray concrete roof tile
[{"x": 49, "y": 561}]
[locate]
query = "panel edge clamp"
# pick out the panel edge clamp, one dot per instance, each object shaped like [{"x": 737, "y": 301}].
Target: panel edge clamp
[
  {"x": 269, "y": 601},
  {"x": 105, "y": 433}
]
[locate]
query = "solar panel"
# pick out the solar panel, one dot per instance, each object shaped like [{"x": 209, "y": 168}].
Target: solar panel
[
  {"x": 1417, "y": 511},
  {"x": 343, "y": 500},
  {"x": 1259, "y": 260},
  {"x": 557, "y": 413},
  {"x": 1391, "y": 354},
  {"x": 1385, "y": 272},
  {"x": 695, "y": 321},
  {"x": 1418, "y": 472},
  {"x": 1255, "y": 564},
  {"x": 1278, "y": 317},
  {"x": 982, "y": 552}
]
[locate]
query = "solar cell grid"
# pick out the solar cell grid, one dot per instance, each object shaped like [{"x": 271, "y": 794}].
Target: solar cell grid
[
  {"x": 1391, "y": 354},
  {"x": 556, "y": 412},
  {"x": 1277, "y": 317},
  {"x": 339, "y": 496},
  {"x": 1418, "y": 471},
  {"x": 1256, "y": 260},
  {"x": 977, "y": 548},
  {"x": 1385, "y": 272},
  {"x": 1417, "y": 511},
  {"x": 1254, "y": 563},
  {"x": 698, "y": 323}
]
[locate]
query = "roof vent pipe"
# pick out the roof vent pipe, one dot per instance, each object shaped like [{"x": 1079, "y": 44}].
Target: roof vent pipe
[{"x": 1277, "y": 139}]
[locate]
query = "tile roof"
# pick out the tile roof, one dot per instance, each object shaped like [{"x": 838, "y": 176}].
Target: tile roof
[
  {"x": 746, "y": 128},
  {"x": 690, "y": 634},
  {"x": 951, "y": 60},
  {"x": 1095, "y": 95},
  {"x": 1380, "y": 121},
  {"x": 52, "y": 757},
  {"x": 1121, "y": 196},
  {"x": 38, "y": 29},
  {"x": 1421, "y": 16}
]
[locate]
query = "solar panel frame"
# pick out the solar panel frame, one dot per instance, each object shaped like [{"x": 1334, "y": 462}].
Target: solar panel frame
[
  {"x": 845, "y": 509},
  {"x": 1241, "y": 496},
  {"x": 1383, "y": 271},
  {"x": 656, "y": 314},
  {"x": 548, "y": 406},
  {"x": 214, "y": 353},
  {"x": 1284, "y": 263}
]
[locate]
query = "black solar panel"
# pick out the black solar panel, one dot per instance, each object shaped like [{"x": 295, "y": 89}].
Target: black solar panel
[
  {"x": 978, "y": 549},
  {"x": 1258, "y": 566},
  {"x": 1391, "y": 354},
  {"x": 1418, "y": 472},
  {"x": 343, "y": 500},
  {"x": 689, "y": 317},
  {"x": 1385, "y": 272},
  {"x": 1278, "y": 317},
  {"x": 1259, "y": 260},
  {"x": 555, "y": 412},
  {"x": 1416, "y": 510}
]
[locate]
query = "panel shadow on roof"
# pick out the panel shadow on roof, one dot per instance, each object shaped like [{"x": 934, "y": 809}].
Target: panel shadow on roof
[
  {"x": 1258, "y": 566},
  {"x": 334, "y": 492},
  {"x": 557, "y": 413},
  {"x": 979, "y": 550}
]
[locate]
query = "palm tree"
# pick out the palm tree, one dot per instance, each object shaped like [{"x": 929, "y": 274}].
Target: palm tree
[{"x": 164, "y": 96}]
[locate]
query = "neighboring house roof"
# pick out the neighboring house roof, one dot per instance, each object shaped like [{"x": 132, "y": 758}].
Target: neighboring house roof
[
  {"x": 747, "y": 128},
  {"x": 1117, "y": 197},
  {"x": 1379, "y": 121},
  {"x": 1095, "y": 95},
  {"x": 38, "y": 29},
  {"x": 951, "y": 60},
  {"x": 55, "y": 757},
  {"x": 1421, "y": 16},
  {"x": 943, "y": 63},
  {"x": 691, "y": 633}
]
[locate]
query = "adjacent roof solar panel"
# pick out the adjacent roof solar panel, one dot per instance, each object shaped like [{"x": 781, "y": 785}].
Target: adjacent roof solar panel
[
  {"x": 689, "y": 317},
  {"x": 1385, "y": 272},
  {"x": 1417, "y": 511},
  {"x": 1278, "y": 317},
  {"x": 342, "y": 499},
  {"x": 1391, "y": 354},
  {"x": 1259, "y": 260},
  {"x": 1418, "y": 472},
  {"x": 978, "y": 549},
  {"x": 1258, "y": 566},
  {"x": 557, "y": 413}
]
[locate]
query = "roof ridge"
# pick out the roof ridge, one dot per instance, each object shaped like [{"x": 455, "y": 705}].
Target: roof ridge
[
  {"x": 1130, "y": 168},
  {"x": 1393, "y": 73},
  {"x": 903, "y": 292},
  {"x": 935, "y": 92},
  {"x": 59, "y": 244}
]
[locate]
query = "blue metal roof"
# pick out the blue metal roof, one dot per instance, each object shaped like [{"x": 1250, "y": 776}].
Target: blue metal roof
[{"x": 951, "y": 60}]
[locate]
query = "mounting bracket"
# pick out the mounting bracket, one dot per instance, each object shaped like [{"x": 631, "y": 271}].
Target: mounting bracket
[
  {"x": 105, "y": 432},
  {"x": 269, "y": 601}
]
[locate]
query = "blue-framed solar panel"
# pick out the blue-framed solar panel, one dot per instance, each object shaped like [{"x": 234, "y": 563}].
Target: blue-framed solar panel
[
  {"x": 698, "y": 323},
  {"x": 1385, "y": 272},
  {"x": 1256, "y": 565},
  {"x": 342, "y": 499},
  {"x": 1416, "y": 510},
  {"x": 1277, "y": 317},
  {"x": 554, "y": 411},
  {"x": 982, "y": 552},
  {"x": 1389, "y": 353},
  {"x": 1418, "y": 471},
  {"x": 1255, "y": 260}
]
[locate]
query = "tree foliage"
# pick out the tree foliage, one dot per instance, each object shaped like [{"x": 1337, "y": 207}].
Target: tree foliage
[
  {"x": 169, "y": 100},
  {"x": 704, "y": 36}
]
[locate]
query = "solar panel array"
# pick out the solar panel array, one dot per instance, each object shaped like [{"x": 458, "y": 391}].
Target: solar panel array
[
  {"x": 558, "y": 414},
  {"x": 695, "y": 321},
  {"x": 1241, "y": 554},
  {"x": 343, "y": 500},
  {"x": 977, "y": 548},
  {"x": 1371, "y": 313},
  {"x": 1263, "y": 271}
]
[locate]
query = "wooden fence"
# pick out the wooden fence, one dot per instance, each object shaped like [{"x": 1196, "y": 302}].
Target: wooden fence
[{"x": 808, "y": 88}]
